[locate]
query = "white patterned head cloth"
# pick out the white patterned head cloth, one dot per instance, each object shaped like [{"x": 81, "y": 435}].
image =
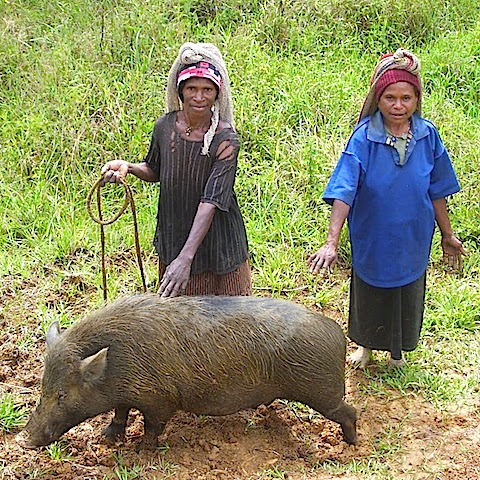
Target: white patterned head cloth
[
  {"x": 190, "y": 54},
  {"x": 400, "y": 60}
]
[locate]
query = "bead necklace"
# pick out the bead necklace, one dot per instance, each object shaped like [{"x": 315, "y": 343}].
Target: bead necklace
[
  {"x": 397, "y": 142},
  {"x": 391, "y": 138}
]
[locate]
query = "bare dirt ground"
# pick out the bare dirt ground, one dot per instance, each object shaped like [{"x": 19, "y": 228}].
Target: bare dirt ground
[{"x": 404, "y": 433}]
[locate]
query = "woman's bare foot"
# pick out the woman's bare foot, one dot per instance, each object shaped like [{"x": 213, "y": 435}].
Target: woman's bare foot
[
  {"x": 360, "y": 358},
  {"x": 392, "y": 363}
]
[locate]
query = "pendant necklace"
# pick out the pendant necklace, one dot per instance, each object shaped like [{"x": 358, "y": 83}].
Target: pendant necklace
[{"x": 188, "y": 128}]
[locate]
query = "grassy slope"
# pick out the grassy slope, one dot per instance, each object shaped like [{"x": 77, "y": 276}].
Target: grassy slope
[{"x": 83, "y": 81}]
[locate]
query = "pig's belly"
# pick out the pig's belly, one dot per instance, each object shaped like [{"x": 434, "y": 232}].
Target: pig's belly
[{"x": 215, "y": 401}]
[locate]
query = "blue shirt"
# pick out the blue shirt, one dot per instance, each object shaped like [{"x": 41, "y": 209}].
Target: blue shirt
[{"x": 391, "y": 220}]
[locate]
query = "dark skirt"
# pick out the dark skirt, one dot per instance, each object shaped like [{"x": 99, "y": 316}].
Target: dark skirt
[
  {"x": 238, "y": 282},
  {"x": 387, "y": 319}
]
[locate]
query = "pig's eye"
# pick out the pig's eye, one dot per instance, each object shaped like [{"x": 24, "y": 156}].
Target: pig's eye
[{"x": 61, "y": 395}]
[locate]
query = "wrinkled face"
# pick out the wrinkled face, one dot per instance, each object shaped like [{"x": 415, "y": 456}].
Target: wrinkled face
[
  {"x": 67, "y": 399},
  {"x": 199, "y": 94},
  {"x": 397, "y": 104}
]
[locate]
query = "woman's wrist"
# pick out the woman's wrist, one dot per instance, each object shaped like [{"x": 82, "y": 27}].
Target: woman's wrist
[
  {"x": 186, "y": 256},
  {"x": 332, "y": 241},
  {"x": 447, "y": 235}
]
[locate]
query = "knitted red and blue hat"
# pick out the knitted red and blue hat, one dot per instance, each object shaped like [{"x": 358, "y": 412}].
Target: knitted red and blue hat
[{"x": 200, "y": 69}]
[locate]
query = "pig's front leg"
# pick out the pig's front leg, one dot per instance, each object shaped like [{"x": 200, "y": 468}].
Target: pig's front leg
[
  {"x": 154, "y": 422},
  {"x": 118, "y": 423}
]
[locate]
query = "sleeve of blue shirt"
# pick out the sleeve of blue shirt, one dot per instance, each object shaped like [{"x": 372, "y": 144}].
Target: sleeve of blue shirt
[
  {"x": 346, "y": 177},
  {"x": 443, "y": 181}
]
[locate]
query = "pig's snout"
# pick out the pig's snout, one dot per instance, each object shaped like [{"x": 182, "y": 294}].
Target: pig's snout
[
  {"x": 39, "y": 434},
  {"x": 23, "y": 439}
]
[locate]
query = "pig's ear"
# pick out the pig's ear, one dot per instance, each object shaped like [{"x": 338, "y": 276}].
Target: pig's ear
[
  {"x": 93, "y": 366},
  {"x": 53, "y": 333}
]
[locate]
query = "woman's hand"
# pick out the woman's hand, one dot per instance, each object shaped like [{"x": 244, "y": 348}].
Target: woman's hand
[
  {"x": 115, "y": 170},
  {"x": 327, "y": 256},
  {"x": 175, "y": 278},
  {"x": 452, "y": 247},
  {"x": 453, "y": 251},
  {"x": 177, "y": 274},
  {"x": 323, "y": 259}
]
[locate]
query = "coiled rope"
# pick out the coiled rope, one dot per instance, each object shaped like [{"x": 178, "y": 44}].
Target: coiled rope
[{"x": 128, "y": 201}]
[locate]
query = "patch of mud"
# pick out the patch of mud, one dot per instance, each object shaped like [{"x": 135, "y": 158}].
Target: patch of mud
[{"x": 406, "y": 434}]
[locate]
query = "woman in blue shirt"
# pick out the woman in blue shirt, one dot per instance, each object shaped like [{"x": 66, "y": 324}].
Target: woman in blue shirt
[{"x": 390, "y": 183}]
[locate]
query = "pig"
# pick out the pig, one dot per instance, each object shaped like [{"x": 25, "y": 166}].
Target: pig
[{"x": 206, "y": 355}]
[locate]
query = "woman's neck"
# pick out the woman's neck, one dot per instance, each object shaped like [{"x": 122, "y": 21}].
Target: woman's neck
[
  {"x": 398, "y": 129},
  {"x": 196, "y": 121},
  {"x": 193, "y": 126}
]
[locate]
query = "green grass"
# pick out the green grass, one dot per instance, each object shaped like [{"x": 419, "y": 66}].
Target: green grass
[
  {"x": 442, "y": 369},
  {"x": 12, "y": 415},
  {"x": 82, "y": 82},
  {"x": 273, "y": 472},
  {"x": 122, "y": 472},
  {"x": 36, "y": 473},
  {"x": 371, "y": 468},
  {"x": 165, "y": 469},
  {"x": 58, "y": 451}
]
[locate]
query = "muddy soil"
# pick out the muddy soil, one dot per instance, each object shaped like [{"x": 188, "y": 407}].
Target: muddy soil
[{"x": 403, "y": 434}]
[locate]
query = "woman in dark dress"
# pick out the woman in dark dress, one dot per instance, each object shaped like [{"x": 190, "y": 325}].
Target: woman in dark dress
[{"x": 200, "y": 236}]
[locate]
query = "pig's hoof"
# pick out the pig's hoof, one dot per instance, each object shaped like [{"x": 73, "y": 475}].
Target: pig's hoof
[
  {"x": 360, "y": 358},
  {"x": 149, "y": 442},
  {"x": 113, "y": 430},
  {"x": 350, "y": 435}
]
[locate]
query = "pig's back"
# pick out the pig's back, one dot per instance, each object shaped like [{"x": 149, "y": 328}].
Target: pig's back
[{"x": 206, "y": 347}]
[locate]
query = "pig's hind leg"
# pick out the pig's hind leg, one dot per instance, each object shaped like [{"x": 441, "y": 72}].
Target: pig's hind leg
[
  {"x": 339, "y": 412},
  {"x": 118, "y": 423},
  {"x": 346, "y": 416}
]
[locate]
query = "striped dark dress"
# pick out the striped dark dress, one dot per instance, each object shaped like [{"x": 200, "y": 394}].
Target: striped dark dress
[{"x": 186, "y": 177}]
